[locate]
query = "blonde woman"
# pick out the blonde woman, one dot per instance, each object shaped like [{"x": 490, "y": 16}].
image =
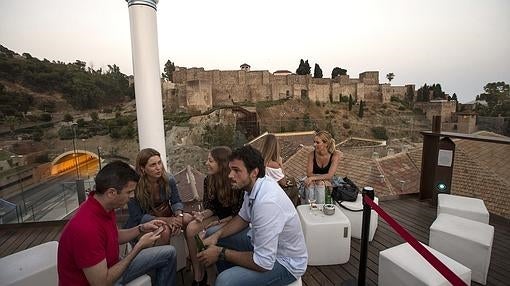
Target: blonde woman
[
  {"x": 272, "y": 159},
  {"x": 156, "y": 196},
  {"x": 322, "y": 164}
]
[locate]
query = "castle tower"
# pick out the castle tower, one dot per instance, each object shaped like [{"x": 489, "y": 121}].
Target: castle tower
[{"x": 245, "y": 67}]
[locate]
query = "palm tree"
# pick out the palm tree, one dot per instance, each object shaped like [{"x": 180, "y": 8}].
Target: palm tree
[{"x": 390, "y": 76}]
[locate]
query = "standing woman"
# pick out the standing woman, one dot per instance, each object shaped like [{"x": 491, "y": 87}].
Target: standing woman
[
  {"x": 272, "y": 159},
  {"x": 156, "y": 196},
  {"x": 221, "y": 203},
  {"x": 322, "y": 165}
]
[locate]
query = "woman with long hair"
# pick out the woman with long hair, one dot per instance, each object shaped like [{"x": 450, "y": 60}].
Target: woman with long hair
[
  {"x": 272, "y": 159},
  {"x": 156, "y": 196},
  {"x": 322, "y": 164},
  {"x": 221, "y": 203}
]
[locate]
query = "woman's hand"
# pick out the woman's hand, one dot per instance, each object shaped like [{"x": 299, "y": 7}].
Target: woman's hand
[{"x": 308, "y": 181}]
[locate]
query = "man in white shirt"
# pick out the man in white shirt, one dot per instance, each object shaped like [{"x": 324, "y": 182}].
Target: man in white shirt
[{"x": 264, "y": 243}]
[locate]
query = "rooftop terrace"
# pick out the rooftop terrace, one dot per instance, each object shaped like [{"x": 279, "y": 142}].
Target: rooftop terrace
[{"x": 412, "y": 214}]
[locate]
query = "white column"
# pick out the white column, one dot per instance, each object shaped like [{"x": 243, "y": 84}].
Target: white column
[{"x": 145, "y": 53}]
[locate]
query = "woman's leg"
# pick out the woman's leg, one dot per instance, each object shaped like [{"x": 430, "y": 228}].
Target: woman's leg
[{"x": 193, "y": 228}]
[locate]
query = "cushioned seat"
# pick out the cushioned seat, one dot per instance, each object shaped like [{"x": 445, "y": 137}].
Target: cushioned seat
[
  {"x": 327, "y": 237},
  {"x": 356, "y": 218},
  {"x": 465, "y": 207},
  {"x": 467, "y": 241},
  {"x": 402, "y": 265}
]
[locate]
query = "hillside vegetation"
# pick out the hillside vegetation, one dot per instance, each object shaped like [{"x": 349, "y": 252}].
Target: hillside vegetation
[{"x": 81, "y": 87}]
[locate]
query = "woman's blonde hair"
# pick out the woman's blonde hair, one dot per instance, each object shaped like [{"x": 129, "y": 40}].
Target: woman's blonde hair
[
  {"x": 142, "y": 192},
  {"x": 326, "y": 137},
  {"x": 270, "y": 149},
  {"x": 218, "y": 184}
]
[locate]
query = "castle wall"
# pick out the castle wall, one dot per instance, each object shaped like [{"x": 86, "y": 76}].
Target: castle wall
[
  {"x": 445, "y": 109},
  {"x": 370, "y": 93},
  {"x": 227, "y": 87},
  {"x": 369, "y": 77},
  {"x": 397, "y": 91},
  {"x": 199, "y": 95},
  {"x": 319, "y": 92},
  {"x": 338, "y": 90}
]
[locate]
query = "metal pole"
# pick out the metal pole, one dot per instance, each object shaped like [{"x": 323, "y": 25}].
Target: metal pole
[
  {"x": 74, "y": 148},
  {"x": 99, "y": 156},
  {"x": 365, "y": 229}
]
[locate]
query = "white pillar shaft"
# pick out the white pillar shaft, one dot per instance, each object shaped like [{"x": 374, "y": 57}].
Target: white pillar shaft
[{"x": 149, "y": 105}]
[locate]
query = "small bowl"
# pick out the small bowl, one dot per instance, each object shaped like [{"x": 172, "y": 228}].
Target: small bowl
[{"x": 328, "y": 209}]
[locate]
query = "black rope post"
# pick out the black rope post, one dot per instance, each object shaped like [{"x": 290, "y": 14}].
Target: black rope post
[{"x": 365, "y": 233}]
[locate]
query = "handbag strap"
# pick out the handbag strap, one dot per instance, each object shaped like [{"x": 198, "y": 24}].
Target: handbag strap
[{"x": 347, "y": 208}]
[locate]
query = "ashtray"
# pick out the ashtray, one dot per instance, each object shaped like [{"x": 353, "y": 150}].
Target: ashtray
[{"x": 328, "y": 209}]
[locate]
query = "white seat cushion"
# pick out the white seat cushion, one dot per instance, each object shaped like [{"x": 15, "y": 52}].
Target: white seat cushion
[
  {"x": 467, "y": 241},
  {"x": 402, "y": 265},
  {"x": 465, "y": 207}
]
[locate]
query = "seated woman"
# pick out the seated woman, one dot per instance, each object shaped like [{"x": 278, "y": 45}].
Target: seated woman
[
  {"x": 221, "y": 203},
  {"x": 321, "y": 167},
  {"x": 272, "y": 159},
  {"x": 156, "y": 196}
]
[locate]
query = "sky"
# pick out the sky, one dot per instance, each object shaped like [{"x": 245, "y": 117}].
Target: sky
[{"x": 461, "y": 44}]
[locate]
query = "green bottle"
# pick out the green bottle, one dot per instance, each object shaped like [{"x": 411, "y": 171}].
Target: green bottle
[
  {"x": 199, "y": 243},
  {"x": 328, "y": 196}
]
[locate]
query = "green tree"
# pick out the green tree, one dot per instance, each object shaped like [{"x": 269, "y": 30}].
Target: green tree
[
  {"x": 361, "y": 107},
  {"x": 454, "y": 97},
  {"x": 497, "y": 95},
  {"x": 338, "y": 71},
  {"x": 350, "y": 102},
  {"x": 317, "y": 71},
  {"x": 168, "y": 71},
  {"x": 304, "y": 68},
  {"x": 390, "y": 76},
  {"x": 68, "y": 117}
]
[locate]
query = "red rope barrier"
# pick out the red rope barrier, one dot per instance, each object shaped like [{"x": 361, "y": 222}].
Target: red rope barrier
[{"x": 436, "y": 263}]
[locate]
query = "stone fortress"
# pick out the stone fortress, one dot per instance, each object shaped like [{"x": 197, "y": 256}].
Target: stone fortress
[{"x": 200, "y": 90}]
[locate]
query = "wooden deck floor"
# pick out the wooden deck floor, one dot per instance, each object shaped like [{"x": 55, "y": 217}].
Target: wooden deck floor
[{"x": 415, "y": 216}]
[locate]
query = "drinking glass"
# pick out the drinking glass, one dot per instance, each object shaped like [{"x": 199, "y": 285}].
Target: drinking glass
[
  {"x": 311, "y": 196},
  {"x": 199, "y": 210}
]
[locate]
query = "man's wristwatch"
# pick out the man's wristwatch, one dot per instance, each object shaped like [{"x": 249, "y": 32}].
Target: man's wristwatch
[
  {"x": 140, "y": 228},
  {"x": 222, "y": 256}
]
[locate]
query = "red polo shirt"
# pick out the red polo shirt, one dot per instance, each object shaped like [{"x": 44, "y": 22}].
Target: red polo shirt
[{"x": 88, "y": 238}]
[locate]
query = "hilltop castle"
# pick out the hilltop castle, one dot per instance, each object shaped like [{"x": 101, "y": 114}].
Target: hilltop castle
[{"x": 198, "y": 89}]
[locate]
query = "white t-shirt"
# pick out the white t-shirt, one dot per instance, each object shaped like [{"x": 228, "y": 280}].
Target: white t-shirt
[
  {"x": 275, "y": 232},
  {"x": 275, "y": 173}
]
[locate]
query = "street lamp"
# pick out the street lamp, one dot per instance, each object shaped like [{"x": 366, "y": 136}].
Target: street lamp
[{"x": 77, "y": 167}]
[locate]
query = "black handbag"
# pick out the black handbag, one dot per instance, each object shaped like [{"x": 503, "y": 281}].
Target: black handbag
[{"x": 347, "y": 191}]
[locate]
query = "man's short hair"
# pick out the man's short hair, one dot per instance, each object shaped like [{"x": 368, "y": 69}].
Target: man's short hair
[
  {"x": 115, "y": 175},
  {"x": 251, "y": 157}
]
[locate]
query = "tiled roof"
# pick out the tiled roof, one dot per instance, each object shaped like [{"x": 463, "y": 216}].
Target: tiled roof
[
  {"x": 481, "y": 170},
  {"x": 290, "y": 142},
  {"x": 401, "y": 173}
]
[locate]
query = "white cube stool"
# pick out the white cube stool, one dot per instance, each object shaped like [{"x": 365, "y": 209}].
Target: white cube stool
[
  {"x": 467, "y": 241},
  {"x": 33, "y": 266},
  {"x": 402, "y": 265},
  {"x": 327, "y": 237},
  {"x": 465, "y": 207},
  {"x": 356, "y": 218},
  {"x": 144, "y": 280},
  {"x": 296, "y": 283}
]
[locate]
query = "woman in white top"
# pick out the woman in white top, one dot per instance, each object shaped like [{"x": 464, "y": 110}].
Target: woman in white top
[{"x": 272, "y": 159}]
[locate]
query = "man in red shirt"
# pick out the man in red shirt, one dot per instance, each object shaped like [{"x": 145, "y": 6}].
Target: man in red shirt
[{"x": 88, "y": 252}]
